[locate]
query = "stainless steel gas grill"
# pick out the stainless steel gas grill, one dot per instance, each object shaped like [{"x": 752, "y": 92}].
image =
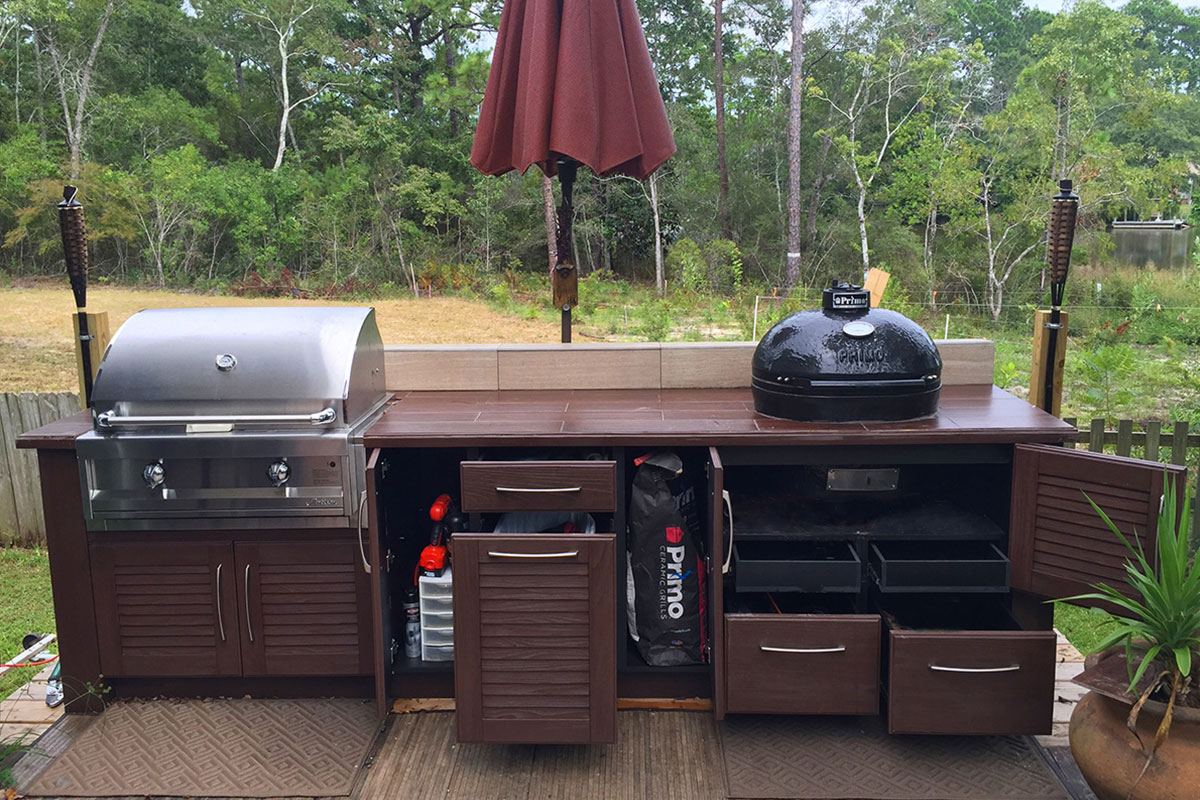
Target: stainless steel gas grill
[{"x": 232, "y": 418}]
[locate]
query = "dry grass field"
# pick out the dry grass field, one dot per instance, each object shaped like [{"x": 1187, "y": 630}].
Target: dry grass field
[{"x": 35, "y": 326}]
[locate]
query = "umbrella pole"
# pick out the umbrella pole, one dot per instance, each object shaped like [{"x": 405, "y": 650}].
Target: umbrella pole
[{"x": 564, "y": 278}]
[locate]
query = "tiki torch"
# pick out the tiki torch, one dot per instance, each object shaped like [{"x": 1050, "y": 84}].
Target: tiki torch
[
  {"x": 1063, "y": 211},
  {"x": 74, "y": 239}
]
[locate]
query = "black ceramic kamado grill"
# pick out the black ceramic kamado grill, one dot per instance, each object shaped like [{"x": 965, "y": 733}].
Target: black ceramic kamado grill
[{"x": 846, "y": 362}]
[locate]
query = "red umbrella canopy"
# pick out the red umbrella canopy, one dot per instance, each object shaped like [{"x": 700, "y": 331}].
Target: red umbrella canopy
[{"x": 572, "y": 78}]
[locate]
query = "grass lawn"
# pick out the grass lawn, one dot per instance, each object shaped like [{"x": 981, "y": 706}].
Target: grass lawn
[
  {"x": 25, "y": 607},
  {"x": 35, "y": 325},
  {"x": 1083, "y": 627}
]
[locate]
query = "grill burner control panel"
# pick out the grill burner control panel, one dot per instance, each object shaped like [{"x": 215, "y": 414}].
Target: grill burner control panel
[{"x": 139, "y": 493}]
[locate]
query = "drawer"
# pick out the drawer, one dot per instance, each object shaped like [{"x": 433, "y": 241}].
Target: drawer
[
  {"x": 939, "y": 566},
  {"x": 814, "y": 567},
  {"x": 539, "y": 486},
  {"x": 437, "y": 637},
  {"x": 437, "y": 605},
  {"x": 802, "y": 663},
  {"x": 964, "y": 682}
]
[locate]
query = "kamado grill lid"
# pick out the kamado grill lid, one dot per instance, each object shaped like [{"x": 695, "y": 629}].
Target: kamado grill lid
[{"x": 846, "y": 362}]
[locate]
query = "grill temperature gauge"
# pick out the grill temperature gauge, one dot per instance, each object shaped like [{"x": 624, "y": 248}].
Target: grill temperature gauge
[
  {"x": 279, "y": 472},
  {"x": 154, "y": 474}
]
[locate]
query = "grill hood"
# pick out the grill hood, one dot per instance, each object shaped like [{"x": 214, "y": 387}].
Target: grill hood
[
  {"x": 846, "y": 362},
  {"x": 325, "y": 362}
]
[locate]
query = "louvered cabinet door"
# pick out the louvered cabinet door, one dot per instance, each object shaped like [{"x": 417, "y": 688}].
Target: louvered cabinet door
[
  {"x": 1058, "y": 544},
  {"x": 304, "y": 608},
  {"x": 165, "y": 608},
  {"x": 535, "y": 638}
]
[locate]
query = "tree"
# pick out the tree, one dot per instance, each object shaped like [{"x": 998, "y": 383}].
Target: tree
[
  {"x": 890, "y": 79},
  {"x": 794, "y": 240},
  {"x": 719, "y": 95},
  {"x": 72, "y": 70}
]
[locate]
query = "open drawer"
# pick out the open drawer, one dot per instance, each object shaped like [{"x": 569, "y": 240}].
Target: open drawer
[
  {"x": 987, "y": 677},
  {"x": 539, "y": 486},
  {"x": 815, "y": 567},
  {"x": 802, "y": 663},
  {"x": 939, "y": 566}
]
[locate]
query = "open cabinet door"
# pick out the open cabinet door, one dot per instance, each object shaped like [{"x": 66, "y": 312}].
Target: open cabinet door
[
  {"x": 716, "y": 549},
  {"x": 376, "y": 560},
  {"x": 1058, "y": 544}
]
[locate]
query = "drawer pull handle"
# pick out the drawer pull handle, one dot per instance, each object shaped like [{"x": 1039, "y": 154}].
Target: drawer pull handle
[
  {"x": 557, "y": 490},
  {"x": 249, "y": 627},
  {"x": 804, "y": 650},
  {"x": 220, "y": 613},
  {"x": 1009, "y": 668},
  {"x": 498, "y": 554}
]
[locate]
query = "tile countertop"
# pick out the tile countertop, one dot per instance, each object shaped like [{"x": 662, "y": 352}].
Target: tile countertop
[
  {"x": 638, "y": 417},
  {"x": 966, "y": 415}
]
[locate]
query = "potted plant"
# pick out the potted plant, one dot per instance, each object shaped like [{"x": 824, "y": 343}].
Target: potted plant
[{"x": 1141, "y": 741}]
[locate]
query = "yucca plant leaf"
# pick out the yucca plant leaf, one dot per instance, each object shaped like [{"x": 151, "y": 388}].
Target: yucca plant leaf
[
  {"x": 1147, "y": 660},
  {"x": 1183, "y": 660}
]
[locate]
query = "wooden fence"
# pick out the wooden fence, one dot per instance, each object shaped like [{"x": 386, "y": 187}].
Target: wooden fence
[
  {"x": 21, "y": 500},
  {"x": 21, "y": 520}
]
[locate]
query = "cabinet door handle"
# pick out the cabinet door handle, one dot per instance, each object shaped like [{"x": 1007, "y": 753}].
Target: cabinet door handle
[
  {"x": 805, "y": 650},
  {"x": 362, "y": 504},
  {"x": 220, "y": 613},
  {"x": 249, "y": 627},
  {"x": 567, "y": 554},
  {"x": 729, "y": 550},
  {"x": 555, "y": 490},
  {"x": 1009, "y": 668}
]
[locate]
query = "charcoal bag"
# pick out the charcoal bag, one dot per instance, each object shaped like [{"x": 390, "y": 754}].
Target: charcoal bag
[{"x": 665, "y": 565}]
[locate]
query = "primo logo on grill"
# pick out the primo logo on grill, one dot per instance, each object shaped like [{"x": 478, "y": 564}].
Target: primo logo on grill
[{"x": 849, "y": 301}]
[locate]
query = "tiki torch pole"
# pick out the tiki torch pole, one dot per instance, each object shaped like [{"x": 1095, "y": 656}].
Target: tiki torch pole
[
  {"x": 1063, "y": 211},
  {"x": 75, "y": 254}
]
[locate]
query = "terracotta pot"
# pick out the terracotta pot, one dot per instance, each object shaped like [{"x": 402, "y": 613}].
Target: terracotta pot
[{"x": 1111, "y": 757}]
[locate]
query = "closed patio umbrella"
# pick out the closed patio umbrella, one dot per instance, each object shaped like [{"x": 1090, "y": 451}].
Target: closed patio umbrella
[{"x": 571, "y": 83}]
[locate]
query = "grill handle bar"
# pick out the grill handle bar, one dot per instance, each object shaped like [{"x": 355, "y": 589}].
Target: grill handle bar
[{"x": 110, "y": 420}]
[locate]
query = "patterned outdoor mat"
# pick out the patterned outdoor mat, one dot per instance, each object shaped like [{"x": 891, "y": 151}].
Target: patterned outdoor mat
[
  {"x": 833, "y": 758},
  {"x": 215, "y": 748}
]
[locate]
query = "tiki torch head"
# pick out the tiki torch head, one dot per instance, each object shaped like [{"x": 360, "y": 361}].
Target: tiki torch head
[
  {"x": 74, "y": 239},
  {"x": 1063, "y": 211}
]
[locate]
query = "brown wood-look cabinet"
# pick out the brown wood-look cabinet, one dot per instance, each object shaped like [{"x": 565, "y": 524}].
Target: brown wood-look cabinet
[
  {"x": 224, "y": 607},
  {"x": 1058, "y": 544},
  {"x": 166, "y": 609},
  {"x": 535, "y": 632},
  {"x": 304, "y": 607}
]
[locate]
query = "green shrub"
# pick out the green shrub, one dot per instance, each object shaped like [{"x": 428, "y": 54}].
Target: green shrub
[
  {"x": 653, "y": 321},
  {"x": 686, "y": 266}
]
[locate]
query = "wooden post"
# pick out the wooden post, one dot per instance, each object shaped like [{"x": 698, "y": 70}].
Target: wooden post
[
  {"x": 1037, "y": 375},
  {"x": 876, "y": 282},
  {"x": 100, "y": 333}
]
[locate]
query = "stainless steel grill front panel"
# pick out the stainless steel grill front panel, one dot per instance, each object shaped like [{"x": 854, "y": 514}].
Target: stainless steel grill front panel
[{"x": 232, "y": 418}]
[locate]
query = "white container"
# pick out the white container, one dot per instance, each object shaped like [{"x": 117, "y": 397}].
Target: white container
[{"x": 437, "y": 616}]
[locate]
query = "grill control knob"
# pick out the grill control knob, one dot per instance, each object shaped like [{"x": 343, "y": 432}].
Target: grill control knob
[
  {"x": 154, "y": 474},
  {"x": 279, "y": 472}
]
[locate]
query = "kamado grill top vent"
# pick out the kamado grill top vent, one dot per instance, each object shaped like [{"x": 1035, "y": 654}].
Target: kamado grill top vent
[{"x": 846, "y": 362}]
